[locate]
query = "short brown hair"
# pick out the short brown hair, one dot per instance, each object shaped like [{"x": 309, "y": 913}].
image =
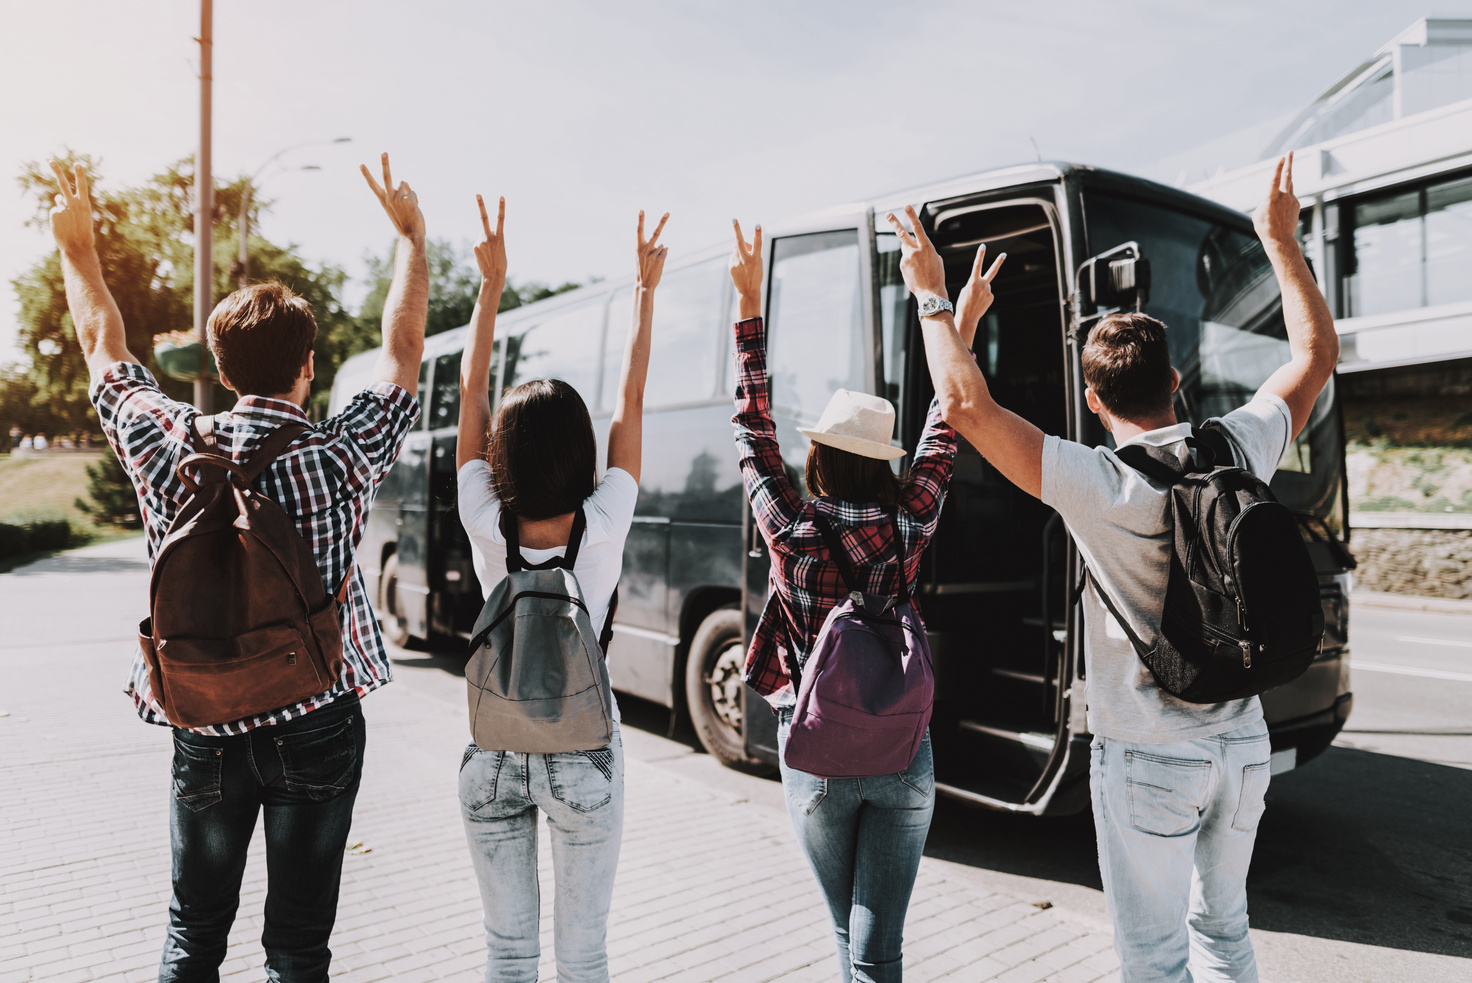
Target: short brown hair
[
  {"x": 542, "y": 451},
  {"x": 261, "y": 336},
  {"x": 1126, "y": 362},
  {"x": 849, "y": 477}
]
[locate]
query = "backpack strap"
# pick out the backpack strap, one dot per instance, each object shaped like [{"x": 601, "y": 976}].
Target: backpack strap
[
  {"x": 202, "y": 433},
  {"x": 605, "y": 637},
  {"x": 835, "y": 550},
  {"x": 1212, "y": 437},
  {"x": 515, "y": 562},
  {"x": 271, "y": 448},
  {"x": 1139, "y": 457}
]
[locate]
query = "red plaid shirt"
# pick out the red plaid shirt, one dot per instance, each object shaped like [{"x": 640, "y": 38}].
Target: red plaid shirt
[{"x": 805, "y": 582}]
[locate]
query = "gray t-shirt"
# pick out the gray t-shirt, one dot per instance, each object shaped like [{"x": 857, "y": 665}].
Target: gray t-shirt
[{"x": 1121, "y": 522}]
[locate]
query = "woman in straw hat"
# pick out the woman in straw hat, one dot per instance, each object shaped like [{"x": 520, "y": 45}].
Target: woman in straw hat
[{"x": 863, "y": 837}]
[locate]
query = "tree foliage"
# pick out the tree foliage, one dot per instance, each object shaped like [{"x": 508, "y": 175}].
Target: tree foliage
[
  {"x": 145, "y": 242},
  {"x": 114, "y": 502}
]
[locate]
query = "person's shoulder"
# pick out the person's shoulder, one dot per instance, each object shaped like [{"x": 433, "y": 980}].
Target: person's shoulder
[
  {"x": 1260, "y": 429},
  {"x": 375, "y": 400}
]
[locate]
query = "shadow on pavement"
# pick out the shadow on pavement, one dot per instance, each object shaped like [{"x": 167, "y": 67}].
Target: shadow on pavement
[{"x": 1357, "y": 846}]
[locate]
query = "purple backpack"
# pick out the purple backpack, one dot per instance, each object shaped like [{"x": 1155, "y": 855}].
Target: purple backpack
[{"x": 865, "y": 696}]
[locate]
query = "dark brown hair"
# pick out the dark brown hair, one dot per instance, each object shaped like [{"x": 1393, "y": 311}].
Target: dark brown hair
[
  {"x": 850, "y": 477},
  {"x": 1126, "y": 362},
  {"x": 261, "y": 336},
  {"x": 542, "y": 452}
]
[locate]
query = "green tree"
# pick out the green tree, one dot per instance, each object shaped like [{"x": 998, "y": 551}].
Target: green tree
[
  {"x": 145, "y": 241},
  {"x": 114, "y": 501}
]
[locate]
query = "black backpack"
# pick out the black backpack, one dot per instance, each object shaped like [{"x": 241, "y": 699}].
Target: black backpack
[{"x": 1242, "y": 610}]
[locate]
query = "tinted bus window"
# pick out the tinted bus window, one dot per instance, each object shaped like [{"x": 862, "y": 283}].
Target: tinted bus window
[
  {"x": 688, "y": 316},
  {"x": 444, "y": 402},
  {"x": 1226, "y": 330},
  {"x": 815, "y": 322},
  {"x": 562, "y": 346}
]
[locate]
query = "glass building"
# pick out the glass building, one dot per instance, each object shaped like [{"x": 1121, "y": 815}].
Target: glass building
[{"x": 1384, "y": 170}]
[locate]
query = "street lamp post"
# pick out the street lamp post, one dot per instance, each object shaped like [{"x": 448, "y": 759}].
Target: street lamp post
[
  {"x": 243, "y": 264},
  {"x": 204, "y": 205}
]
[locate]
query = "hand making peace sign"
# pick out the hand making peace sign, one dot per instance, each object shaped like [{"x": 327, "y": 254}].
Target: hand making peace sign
[
  {"x": 651, "y": 257},
  {"x": 71, "y": 219},
  {"x": 401, "y": 203},
  {"x": 490, "y": 253}
]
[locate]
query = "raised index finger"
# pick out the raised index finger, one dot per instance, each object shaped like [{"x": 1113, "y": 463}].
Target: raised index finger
[
  {"x": 84, "y": 193},
  {"x": 388, "y": 179},
  {"x": 920, "y": 235},
  {"x": 1287, "y": 185},
  {"x": 659, "y": 228},
  {"x": 991, "y": 273},
  {"x": 485, "y": 220},
  {"x": 1278, "y": 175},
  {"x": 66, "y": 188},
  {"x": 740, "y": 239},
  {"x": 372, "y": 183},
  {"x": 500, "y": 216}
]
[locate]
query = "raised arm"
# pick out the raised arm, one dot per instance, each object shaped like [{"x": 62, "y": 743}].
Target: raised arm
[
  {"x": 95, "y": 314},
  {"x": 776, "y": 504},
  {"x": 475, "y": 361},
  {"x": 1313, "y": 345},
  {"x": 1012, "y": 445},
  {"x": 406, "y": 308},
  {"x": 626, "y": 431}
]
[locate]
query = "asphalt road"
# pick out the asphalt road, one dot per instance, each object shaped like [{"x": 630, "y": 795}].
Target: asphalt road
[{"x": 1363, "y": 866}]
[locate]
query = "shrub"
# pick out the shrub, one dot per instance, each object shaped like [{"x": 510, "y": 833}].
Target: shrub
[{"x": 114, "y": 502}]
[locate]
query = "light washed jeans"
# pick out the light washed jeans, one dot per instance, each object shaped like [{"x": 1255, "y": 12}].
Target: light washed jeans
[
  {"x": 582, "y": 793},
  {"x": 863, "y": 838},
  {"x": 1176, "y": 824}
]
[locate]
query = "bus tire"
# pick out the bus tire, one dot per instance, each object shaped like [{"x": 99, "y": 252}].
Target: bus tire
[
  {"x": 713, "y": 684},
  {"x": 395, "y": 629}
]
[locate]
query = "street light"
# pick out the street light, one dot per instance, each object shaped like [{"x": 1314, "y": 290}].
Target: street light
[{"x": 243, "y": 264}]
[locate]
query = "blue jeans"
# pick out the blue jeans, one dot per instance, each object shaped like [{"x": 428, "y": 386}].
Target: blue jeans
[
  {"x": 863, "y": 838},
  {"x": 582, "y": 793},
  {"x": 305, "y": 774},
  {"x": 1176, "y": 824}
]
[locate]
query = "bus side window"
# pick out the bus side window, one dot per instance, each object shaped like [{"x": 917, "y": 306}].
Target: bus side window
[
  {"x": 815, "y": 342},
  {"x": 563, "y": 346},
  {"x": 444, "y": 403},
  {"x": 685, "y": 338},
  {"x": 424, "y": 395}
]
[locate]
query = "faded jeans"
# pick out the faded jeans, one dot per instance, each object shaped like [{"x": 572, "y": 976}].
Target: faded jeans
[
  {"x": 863, "y": 838},
  {"x": 1175, "y": 825},
  {"x": 304, "y": 774},
  {"x": 582, "y": 794}
]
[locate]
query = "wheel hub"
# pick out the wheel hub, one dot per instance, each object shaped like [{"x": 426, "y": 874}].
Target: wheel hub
[{"x": 724, "y": 684}]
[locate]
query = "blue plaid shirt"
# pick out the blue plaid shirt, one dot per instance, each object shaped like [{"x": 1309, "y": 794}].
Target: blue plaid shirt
[{"x": 326, "y": 480}]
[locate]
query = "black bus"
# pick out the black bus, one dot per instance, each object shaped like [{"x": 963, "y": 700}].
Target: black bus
[{"x": 1009, "y": 728}]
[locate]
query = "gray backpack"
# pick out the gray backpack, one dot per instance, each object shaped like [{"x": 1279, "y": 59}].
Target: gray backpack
[{"x": 537, "y": 680}]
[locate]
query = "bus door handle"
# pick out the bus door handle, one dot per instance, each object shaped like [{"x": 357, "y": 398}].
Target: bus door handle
[{"x": 754, "y": 545}]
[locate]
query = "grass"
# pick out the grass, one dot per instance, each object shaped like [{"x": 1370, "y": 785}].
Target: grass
[{"x": 35, "y": 488}]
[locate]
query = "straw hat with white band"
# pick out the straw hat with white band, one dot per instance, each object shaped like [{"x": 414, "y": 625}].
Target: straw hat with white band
[{"x": 858, "y": 423}]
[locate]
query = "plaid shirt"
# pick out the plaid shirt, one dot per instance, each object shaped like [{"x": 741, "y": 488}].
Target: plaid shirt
[
  {"x": 325, "y": 479},
  {"x": 805, "y": 582}
]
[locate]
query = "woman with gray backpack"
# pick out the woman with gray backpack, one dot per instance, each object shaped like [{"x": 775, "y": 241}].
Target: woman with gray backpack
[
  {"x": 547, "y": 540},
  {"x": 840, "y": 652}
]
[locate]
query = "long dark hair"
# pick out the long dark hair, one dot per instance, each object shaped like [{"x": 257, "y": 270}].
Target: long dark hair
[
  {"x": 840, "y": 474},
  {"x": 542, "y": 450}
]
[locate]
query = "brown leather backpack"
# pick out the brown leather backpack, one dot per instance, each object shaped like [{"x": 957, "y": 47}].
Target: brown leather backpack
[{"x": 240, "y": 623}]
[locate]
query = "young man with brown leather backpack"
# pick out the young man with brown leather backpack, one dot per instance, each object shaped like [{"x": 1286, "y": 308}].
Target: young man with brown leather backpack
[{"x": 260, "y": 641}]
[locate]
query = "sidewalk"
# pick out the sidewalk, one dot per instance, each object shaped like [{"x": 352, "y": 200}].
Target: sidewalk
[{"x": 710, "y": 886}]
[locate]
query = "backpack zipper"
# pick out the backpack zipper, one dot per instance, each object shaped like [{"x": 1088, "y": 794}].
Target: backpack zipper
[{"x": 1243, "y": 644}]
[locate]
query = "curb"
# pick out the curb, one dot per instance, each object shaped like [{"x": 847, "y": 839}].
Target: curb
[{"x": 1411, "y": 602}]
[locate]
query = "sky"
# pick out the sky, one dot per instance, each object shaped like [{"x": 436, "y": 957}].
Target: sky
[{"x": 581, "y": 113}]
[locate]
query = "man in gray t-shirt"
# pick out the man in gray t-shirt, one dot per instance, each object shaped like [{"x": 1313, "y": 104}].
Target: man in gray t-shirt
[{"x": 1177, "y": 787}]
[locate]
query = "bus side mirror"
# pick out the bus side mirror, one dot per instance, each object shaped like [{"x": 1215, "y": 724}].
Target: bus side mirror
[{"x": 1117, "y": 279}]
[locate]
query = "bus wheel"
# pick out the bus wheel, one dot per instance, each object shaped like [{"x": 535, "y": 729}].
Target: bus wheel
[
  {"x": 395, "y": 629},
  {"x": 713, "y": 689}
]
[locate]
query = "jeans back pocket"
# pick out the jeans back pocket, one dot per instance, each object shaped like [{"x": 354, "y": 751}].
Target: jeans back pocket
[
  {"x": 1166, "y": 794},
  {"x": 196, "y": 774},
  {"x": 1251, "y": 803},
  {"x": 321, "y": 763},
  {"x": 580, "y": 780}
]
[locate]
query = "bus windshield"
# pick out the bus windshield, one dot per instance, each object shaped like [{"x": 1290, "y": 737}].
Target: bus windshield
[{"x": 1214, "y": 288}]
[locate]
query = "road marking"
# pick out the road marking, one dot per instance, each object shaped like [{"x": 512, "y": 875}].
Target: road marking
[
  {"x": 1460, "y": 677},
  {"x": 1433, "y": 641}
]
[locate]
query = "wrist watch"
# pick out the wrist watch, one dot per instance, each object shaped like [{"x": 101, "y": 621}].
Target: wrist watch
[{"x": 933, "y": 305}]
